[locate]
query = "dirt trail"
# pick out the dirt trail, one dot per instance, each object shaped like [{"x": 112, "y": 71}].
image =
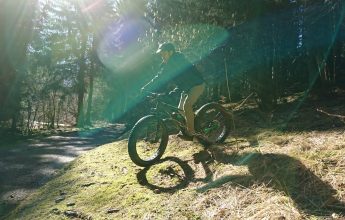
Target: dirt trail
[{"x": 27, "y": 165}]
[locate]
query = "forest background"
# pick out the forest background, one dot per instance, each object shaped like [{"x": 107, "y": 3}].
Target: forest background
[{"x": 82, "y": 63}]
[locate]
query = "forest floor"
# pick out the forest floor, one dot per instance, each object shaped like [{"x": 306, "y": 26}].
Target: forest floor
[{"x": 288, "y": 164}]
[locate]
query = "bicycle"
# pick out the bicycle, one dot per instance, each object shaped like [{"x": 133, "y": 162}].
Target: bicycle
[{"x": 149, "y": 136}]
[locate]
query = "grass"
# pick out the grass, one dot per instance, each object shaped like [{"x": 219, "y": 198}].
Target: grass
[{"x": 258, "y": 173}]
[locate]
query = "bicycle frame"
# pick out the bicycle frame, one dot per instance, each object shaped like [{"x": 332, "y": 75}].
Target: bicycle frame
[{"x": 166, "y": 112}]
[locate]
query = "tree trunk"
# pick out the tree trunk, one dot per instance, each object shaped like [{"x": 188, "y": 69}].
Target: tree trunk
[
  {"x": 89, "y": 101},
  {"x": 91, "y": 78},
  {"x": 81, "y": 84}
]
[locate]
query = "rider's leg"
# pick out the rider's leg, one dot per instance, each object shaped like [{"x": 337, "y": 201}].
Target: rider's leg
[{"x": 192, "y": 97}]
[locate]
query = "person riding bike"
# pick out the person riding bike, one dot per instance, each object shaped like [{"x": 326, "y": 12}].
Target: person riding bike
[{"x": 178, "y": 72}]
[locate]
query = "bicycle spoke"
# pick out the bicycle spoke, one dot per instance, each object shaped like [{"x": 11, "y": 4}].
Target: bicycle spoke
[
  {"x": 147, "y": 140},
  {"x": 212, "y": 123}
]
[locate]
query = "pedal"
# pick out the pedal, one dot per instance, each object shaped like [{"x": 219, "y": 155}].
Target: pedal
[{"x": 177, "y": 116}]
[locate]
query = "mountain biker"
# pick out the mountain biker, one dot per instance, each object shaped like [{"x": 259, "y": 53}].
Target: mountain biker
[{"x": 177, "y": 72}]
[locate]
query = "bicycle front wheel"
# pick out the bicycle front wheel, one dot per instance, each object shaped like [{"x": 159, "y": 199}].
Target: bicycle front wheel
[
  {"x": 147, "y": 141},
  {"x": 213, "y": 123}
]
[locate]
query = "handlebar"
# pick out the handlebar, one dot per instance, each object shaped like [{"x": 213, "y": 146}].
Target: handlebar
[
  {"x": 152, "y": 95},
  {"x": 158, "y": 98}
]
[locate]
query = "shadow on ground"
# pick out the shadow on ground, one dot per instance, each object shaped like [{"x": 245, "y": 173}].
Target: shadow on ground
[
  {"x": 184, "y": 177},
  {"x": 284, "y": 173},
  {"x": 310, "y": 194},
  {"x": 26, "y": 165}
]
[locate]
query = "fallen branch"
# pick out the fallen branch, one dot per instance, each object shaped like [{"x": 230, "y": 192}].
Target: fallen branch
[
  {"x": 242, "y": 103},
  {"x": 329, "y": 114},
  {"x": 340, "y": 117}
]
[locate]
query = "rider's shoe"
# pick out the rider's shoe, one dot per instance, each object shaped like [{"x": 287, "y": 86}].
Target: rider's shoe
[
  {"x": 185, "y": 136},
  {"x": 201, "y": 139},
  {"x": 195, "y": 137}
]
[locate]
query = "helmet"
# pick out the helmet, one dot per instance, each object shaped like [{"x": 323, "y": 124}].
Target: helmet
[{"x": 166, "y": 47}]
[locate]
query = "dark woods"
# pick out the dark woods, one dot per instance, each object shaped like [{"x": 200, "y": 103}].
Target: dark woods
[{"x": 79, "y": 63}]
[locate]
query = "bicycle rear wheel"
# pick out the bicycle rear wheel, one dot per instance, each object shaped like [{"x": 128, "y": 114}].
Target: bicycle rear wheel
[
  {"x": 147, "y": 141},
  {"x": 212, "y": 122}
]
